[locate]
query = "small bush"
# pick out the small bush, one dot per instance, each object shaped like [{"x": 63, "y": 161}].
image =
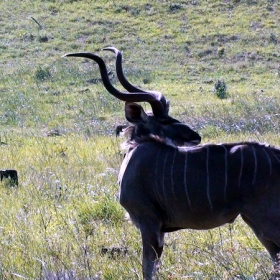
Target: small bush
[
  {"x": 221, "y": 52},
  {"x": 220, "y": 89},
  {"x": 273, "y": 38},
  {"x": 175, "y": 7},
  {"x": 42, "y": 74}
]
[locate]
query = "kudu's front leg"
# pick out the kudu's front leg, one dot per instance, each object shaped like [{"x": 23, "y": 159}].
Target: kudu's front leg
[{"x": 153, "y": 241}]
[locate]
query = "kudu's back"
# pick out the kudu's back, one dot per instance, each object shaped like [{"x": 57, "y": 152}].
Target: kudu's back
[{"x": 198, "y": 187}]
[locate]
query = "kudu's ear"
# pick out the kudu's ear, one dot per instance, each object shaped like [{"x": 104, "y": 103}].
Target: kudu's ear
[{"x": 134, "y": 113}]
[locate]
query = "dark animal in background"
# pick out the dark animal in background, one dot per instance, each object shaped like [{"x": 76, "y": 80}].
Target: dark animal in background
[
  {"x": 166, "y": 185},
  {"x": 11, "y": 175}
]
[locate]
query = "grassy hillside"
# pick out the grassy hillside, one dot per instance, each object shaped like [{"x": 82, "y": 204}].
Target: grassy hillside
[{"x": 57, "y": 127}]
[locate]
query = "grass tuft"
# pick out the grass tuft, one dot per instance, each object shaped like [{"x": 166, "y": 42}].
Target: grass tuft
[{"x": 42, "y": 74}]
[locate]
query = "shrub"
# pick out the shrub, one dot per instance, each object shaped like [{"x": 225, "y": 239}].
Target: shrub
[
  {"x": 42, "y": 74},
  {"x": 220, "y": 89}
]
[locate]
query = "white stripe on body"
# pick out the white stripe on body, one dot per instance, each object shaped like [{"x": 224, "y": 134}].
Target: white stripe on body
[
  {"x": 226, "y": 170},
  {"x": 159, "y": 196},
  {"x": 275, "y": 156},
  {"x": 255, "y": 166},
  {"x": 163, "y": 175},
  {"x": 172, "y": 174},
  {"x": 241, "y": 166},
  {"x": 269, "y": 161},
  {"x": 185, "y": 180}
]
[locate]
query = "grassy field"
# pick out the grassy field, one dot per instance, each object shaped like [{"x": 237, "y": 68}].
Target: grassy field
[{"x": 57, "y": 124}]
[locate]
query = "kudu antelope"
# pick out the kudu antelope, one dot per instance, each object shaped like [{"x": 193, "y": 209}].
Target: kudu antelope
[{"x": 166, "y": 187}]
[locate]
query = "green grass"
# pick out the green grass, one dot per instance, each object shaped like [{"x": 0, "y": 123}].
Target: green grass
[{"x": 64, "y": 219}]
